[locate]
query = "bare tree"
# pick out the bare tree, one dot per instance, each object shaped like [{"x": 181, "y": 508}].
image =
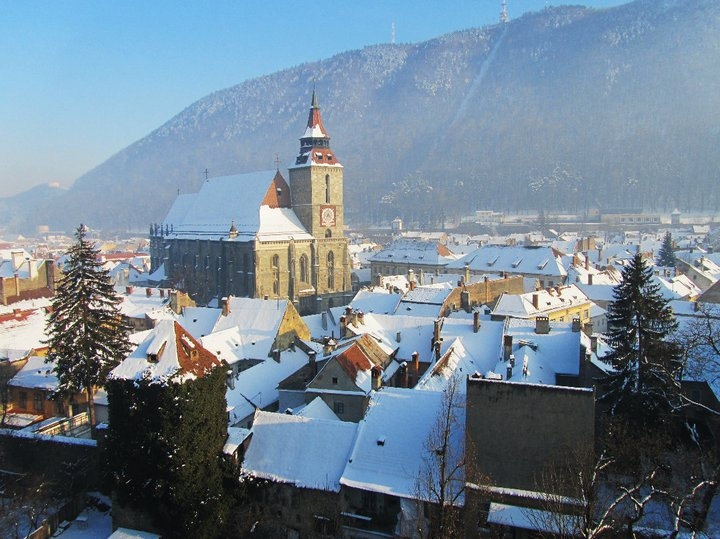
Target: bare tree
[{"x": 441, "y": 480}]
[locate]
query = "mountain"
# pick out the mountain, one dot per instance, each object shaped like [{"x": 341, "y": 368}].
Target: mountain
[{"x": 565, "y": 108}]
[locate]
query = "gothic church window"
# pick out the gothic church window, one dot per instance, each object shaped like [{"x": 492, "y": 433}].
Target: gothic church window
[
  {"x": 304, "y": 269},
  {"x": 331, "y": 270}
]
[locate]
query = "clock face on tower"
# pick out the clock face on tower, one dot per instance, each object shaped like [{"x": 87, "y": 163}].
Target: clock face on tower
[{"x": 327, "y": 215}]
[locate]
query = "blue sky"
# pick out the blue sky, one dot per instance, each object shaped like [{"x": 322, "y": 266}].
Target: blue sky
[{"x": 82, "y": 79}]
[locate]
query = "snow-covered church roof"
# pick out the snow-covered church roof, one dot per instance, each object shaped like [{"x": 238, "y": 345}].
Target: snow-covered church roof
[{"x": 254, "y": 205}]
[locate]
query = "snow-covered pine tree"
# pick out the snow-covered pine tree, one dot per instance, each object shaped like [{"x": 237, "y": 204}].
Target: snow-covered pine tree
[
  {"x": 666, "y": 256},
  {"x": 640, "y": 328},
  {"x": 87, "y": 336}
]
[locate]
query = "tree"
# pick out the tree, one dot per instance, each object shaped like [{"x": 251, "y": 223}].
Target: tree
[
  {"x": 442, "y": 477},
  {"x": 666, "y": 256},
  {"x": 87, "y": 335},
  {"x": 164, "y": 450},
  {"x": 645, "y": 359}
]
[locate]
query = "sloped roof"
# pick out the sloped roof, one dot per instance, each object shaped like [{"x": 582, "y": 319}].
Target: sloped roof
[
  {"x": 168, "y": 354},
  {"x": 406, "y": 251},
  {"x": 527, "y": 260},
  {"x": 36, "y": 374},
  {"x": 548, "y": 301},
  {"x": 305, "y": 452},
  {"x": 244, "y": 201},
  {"x": 388, "y": 456}
]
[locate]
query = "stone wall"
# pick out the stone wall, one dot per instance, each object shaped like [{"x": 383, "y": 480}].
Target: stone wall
[{"x": 516, "y": 430}]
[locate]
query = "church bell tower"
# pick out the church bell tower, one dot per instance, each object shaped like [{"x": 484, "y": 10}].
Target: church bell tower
[{"x": 316, "y": 186}]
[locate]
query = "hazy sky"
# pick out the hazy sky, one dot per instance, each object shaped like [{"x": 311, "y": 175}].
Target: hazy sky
[{"x": 82, "y": 79}]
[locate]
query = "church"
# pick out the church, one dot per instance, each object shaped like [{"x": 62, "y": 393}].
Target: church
[{"x": 259, "y": 235}]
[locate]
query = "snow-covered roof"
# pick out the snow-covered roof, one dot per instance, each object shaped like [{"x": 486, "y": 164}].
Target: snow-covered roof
[
  {"x": 21, "y": 331},
  {"x": 532, "y": 304},
  {"x": 257, "y": 387},
  {"x": 230, "y": 201},
  {"x": 370, "y": 301},
  {"x": 168, "y": 354},
  {"x": 305, "y": 452},
  {"x": 514, "y": 260},
  {"x": 259, "y": 321},
  {"x": 390, "y": 452},
  {"x": 36, "y": 374},
  {"x": 406, "y": 251}
]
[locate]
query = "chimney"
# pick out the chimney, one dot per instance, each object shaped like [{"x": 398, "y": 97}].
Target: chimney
[
  {"x": 398, "y": 337},
  {"x": 312, "y": 363},
  {"x": 324, "y": 320},
  {"x": 376, "y": 374},
  {"x": 507, "y": 347},
  {"x": 437, "y": 350},
  {"x": 230, "y": 381},
  {"x": 343, "y": 327},
  {"x": 128, "y": 290},
  {"x": 276, "y": 354},
  {"x": 536, "y": 301},
  {"x": 576, "y": 324},
  {"x": 225, "y": 302},
  {"x": 465, "y": 301},
  {"x": 587, "y": 262},
  {"x": 361, "y": 317},
  {"x": 420, "y": 278},
  {"x": 476, "y": 321},
  {"x": 509, "y": 372},
  {"x": 416, "y": 362},
  {"x": 467, "y": 273},
  {"x": 542, "y": 325},
  {"x": 437, "y": 326},
  {"x": 162, "y": 292},
  {"x": 411, "y": 278},
  {"x": 148, "y": 292},
  {"x": 412, "y": 286},
  {"x": 403, "y": 375},
  {"x": 590, "y": 278},
  {"x": 593, "y": 343},
  {"x": 576, "y": 260}
]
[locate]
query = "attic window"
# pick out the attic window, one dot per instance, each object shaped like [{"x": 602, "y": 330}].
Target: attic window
[
  {"x": 319, "y": 156},
  {"x": 542, "y": 264},
  {"x": 492, "y": 262},
  {"x": 329, "y": 157},
  {"x": 381, "y": 441},
  {"x": 517, "y": 262}
]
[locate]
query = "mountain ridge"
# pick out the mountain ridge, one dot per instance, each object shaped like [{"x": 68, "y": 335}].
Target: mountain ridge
[{"x": 560, "y": 109}]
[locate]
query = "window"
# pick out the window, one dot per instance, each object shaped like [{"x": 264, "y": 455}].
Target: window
[
  {"x": 328, "y": 233},
  {"x": 276, "y": 275},
  {"x": 327, "y": 189},
  {"x": 38, "y": 402},
  {"x": 22, "y": 400},
  {"x": 334, "y": 380},
  {"x": 339, "y": 407},
  {"x": 331, "y": 270},
  {"x": 304, "y": 274}
]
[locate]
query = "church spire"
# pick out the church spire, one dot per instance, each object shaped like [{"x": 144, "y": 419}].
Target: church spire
[{"x": 315, "y": 137}]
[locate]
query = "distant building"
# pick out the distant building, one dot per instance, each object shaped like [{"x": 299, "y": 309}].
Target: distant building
[{"x": 260, "y": 236}]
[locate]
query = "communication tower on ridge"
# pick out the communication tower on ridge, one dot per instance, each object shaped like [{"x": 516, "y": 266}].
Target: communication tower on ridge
[{"x": 503, "y": 12}]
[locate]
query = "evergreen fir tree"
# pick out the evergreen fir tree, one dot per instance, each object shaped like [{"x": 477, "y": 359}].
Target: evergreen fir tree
[
  {"x": 640, "y": 327},
  {"x": 666, "y": 257},
  {"x": 87, "y": 336}
]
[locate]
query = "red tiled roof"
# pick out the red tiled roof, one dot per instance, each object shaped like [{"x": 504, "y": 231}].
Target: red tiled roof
[
  {"x": 193, "y": 358},
  {"x": 278, "y": 194}
]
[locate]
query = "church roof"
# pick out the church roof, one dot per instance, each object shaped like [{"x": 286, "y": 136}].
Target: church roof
[{"x": 255, "y": 204}]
